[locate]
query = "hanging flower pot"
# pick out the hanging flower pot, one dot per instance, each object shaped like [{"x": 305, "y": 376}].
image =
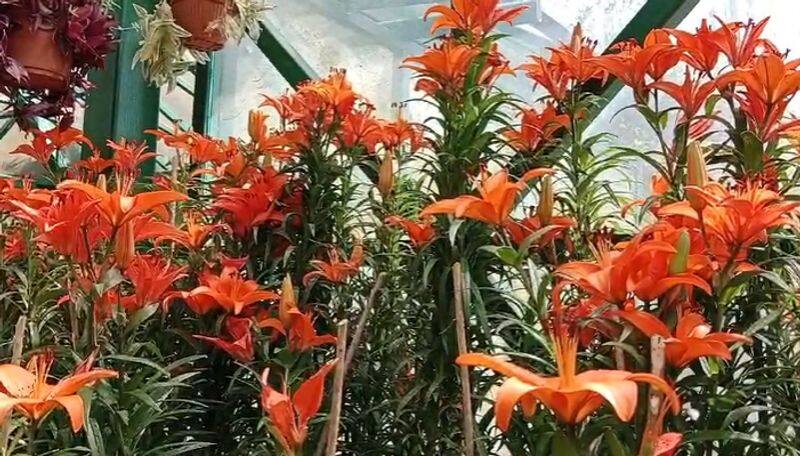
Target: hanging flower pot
[
  {"x": 204, "y": 19},
  {"x": 36, "y": 49},
  {"x": 47, "y": 49}
]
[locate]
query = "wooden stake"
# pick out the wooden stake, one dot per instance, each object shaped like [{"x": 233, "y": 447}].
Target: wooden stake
[
  {"x": 655, "y": 417},
  {"x": 338, "y": 389},
  {"x": 19, "y": 340},
  {"x": 463, "y": 372},
  {"x": 17, "y": 345},
  {"x": 362, "y": 321}
]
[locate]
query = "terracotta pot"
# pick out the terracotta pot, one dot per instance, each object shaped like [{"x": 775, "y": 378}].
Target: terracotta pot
[
  {"x": 48, "y": 64},
  {"x": 199, "y": 17}
]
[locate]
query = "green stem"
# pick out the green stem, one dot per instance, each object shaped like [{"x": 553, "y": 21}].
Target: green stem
[{"x": 32, "y": 431}]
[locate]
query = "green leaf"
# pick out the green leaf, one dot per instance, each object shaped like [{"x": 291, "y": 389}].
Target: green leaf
[
  {"x": 506, "y": 254},
  {"x": 615, "y": 447},
  {"x": 139, "y": 317},
  {"x": 563, "y": 446}
]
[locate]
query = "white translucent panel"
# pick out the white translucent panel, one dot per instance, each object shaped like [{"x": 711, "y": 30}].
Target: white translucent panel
[
  {"x": 178, "y": 102},
  {"x": 370, "y": 38},
  {"x": 244, "y": 75}
]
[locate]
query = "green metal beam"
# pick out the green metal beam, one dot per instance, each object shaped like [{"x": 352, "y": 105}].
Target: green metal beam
[
  {"x": 123, "y": 104},
  {"x": 286, "y": 60},
  {"x": 653, "y": 14},
  {"x": 205, "y": 81}
]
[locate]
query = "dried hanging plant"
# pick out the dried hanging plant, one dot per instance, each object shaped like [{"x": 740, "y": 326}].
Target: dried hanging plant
[
  {"x": 246, "y": 19},
  {"x": 162, "y": 55}
]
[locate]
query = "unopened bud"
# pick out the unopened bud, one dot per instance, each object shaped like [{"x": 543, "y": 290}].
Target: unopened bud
[
  {"x": 102, "y": 182},
  {"x": 546, "y": 201},
  {"x": 680, "y": 262},
  {"x": 288, "y": 301},
  {"x": 386, "y": 175},
  {"x": 577, "y": 38},
  {"x": 696, "y": 173},
  {"x": 256, "y": 125}
]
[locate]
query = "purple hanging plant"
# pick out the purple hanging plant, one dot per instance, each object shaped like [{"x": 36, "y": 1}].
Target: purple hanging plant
[{"x": 85, "y": 32}]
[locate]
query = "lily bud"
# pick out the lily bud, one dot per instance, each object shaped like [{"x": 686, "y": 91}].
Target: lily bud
[
  {"x": 124, "y": 245},
  {"x": 577, "y": 38},
  {"x": 546, "y": 201},
  {"x": 102, "y": 182},
  {"x": 256, "y": 125},
  {"x": 696, "y": 173},
  {"x": 386, "y": 175},
  {"x": 680, "y": 262},
  {"x": 288, "y": 300}
]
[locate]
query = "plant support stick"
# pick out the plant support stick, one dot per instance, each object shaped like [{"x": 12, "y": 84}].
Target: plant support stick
[
  {"x": 338, "y": 390},
  {"x": 463, "y": 371}
]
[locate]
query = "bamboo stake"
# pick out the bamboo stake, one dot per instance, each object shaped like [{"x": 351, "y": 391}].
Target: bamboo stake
[
  {"x": 353, "y": 346},
  {"x": 19, "y": 340},
  {"x": 463, "y": 372},
  {"x": 338, "y": 389},
  {"x": 17, "y": 346},
  {"x": 362, "y": 321},
  {"x": 654, "y": 407}
]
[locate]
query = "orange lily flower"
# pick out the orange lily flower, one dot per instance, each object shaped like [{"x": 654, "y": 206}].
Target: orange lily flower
[
  {"x": 667, "y": 59},
  {"x": 572, "y": 396},
  {"x": 129, "y": 156},
  {"x": 36, "y": 198},
  {"x": 699, "y": 48},
  {"x": 28, "y": 391},
  {"x": 68, "y": 225},
  {"x": 207, "y": 150},
  {"x": 152, "y": 279},
  {"x": 336, "y": 271},
  {"x": 420, "y": 233},
  {"x": 197, "y": 300},
  {"x": 302, "y": 335},
  {"x": 442, "y": 67},
  {"x": 178, "y": 139},
  {"x": 95, "y": 164},
  {"x": 577, "y": 58},
  {"x": 233, "y": 293},
  {"x": 549, "y": 75},
  {"x": 537, "y": 128},
  {"x": 643, "y": 268},
  {"x": 691, "y": 96},
  {"x": 693, "y": 338},
  {"x": 736, "y": 221},
  {"x": 497, "y": 198},
  {"x": 14, "y": 246},
  {"x": 361, "y": 128},
  {"x": 295, "y": 325},
  {"x": 478, "y": 17},
  {"x": 519, "y": 231},
  {"x": 289, "y": 416},
  {"x": 769, "y": 79},
  {"x": 393, "y": 134},
  {"x": 119, "y": 210},
  {"x": 740, "y": 42},
  {"x": 196, "y": 233},
  {"x": 667, "y": 444},
  {"x": 44, "y": 144},
  {"x": 254, "y": 204},
  {"x": 240, "y": 347},
  {"x": 633, "y": 63}
]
